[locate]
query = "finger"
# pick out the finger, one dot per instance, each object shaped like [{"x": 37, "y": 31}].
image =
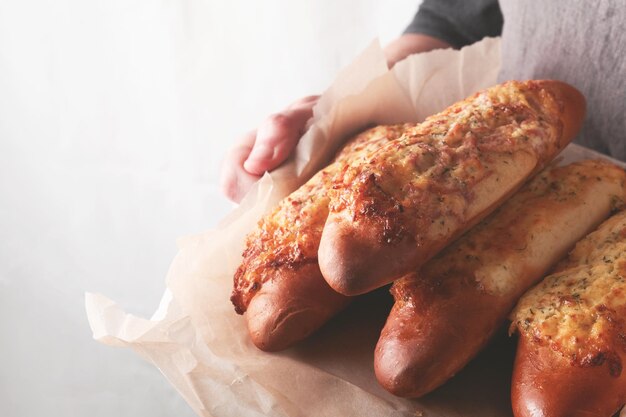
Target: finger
[
  {"x": 277, "y": 137},
  {"x": 309, "y": 101},
  {"x": 235, "y": 181}
]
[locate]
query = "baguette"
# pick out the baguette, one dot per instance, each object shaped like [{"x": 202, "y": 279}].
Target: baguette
[
  {"x": 395, "y": 210},
  {"x": 446, "y": 313},
  {"x": 572, "y": 332},
  {"x": 279, "y": 283}
]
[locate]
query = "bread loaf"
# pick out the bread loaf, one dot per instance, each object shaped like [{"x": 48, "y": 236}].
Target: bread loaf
[
  {"x": 279, "y": 283},
  {"x": 445, "y": 313},
  {"x": 394, "y": 210},
  {"x": 572, "y": 332}
]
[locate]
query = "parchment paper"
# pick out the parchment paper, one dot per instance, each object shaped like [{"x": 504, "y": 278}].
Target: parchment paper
[{"x": 202, "y": 346}]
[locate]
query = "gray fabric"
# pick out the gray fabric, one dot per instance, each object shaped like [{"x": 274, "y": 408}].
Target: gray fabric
[
  {"x": 582, "y": 43},
  {"x": 458, "y": 22},
  {"x": 579, "y": 42}
]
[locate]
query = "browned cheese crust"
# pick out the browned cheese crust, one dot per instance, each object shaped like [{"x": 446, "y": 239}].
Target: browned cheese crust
[
  {"x": 572, "y": 327},
  {"x": 446, "y": 313},
  {"x": 391, "y": 212},
  {"x": 279, "y": 281}
]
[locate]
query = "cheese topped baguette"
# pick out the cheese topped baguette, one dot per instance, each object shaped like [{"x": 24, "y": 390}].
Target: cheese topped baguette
[
  {"x": 445, "y": 313},
  {"x": 572, "y": 332},
  {"x": 279, "y": 282},
  {"x": 391, "y": 212}
]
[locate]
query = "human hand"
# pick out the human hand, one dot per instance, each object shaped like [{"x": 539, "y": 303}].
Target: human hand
[{"x": 265, "y": 148}]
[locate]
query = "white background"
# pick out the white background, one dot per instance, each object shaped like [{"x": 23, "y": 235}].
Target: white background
[{"x": 114, "y": 115}]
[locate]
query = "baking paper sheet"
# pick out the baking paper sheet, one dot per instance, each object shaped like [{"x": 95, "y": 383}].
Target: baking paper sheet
[{"x": 202, "y": 346}]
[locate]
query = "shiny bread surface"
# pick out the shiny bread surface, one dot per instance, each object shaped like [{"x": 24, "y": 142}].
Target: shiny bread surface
[
  {"x": 394, "y": 210},
  {"x": 279, "y": 278},
  {"x": 447, "y": 311}
]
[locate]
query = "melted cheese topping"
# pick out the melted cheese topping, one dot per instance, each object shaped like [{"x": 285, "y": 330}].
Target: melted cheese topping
[
  {"x": 289, "y": 236},
  {"x": 421, "y": 184},
  {"x": 510, "y": 250},
  {"x": 580, "y": 310}
]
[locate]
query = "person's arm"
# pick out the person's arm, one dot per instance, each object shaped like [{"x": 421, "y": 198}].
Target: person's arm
[
  {"x": 457, "y": 22},
  {"x": 411, "y": 43}
]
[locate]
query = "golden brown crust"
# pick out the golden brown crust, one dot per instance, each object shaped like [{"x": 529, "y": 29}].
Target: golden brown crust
[
  {"x": 422, "y": 346},
  {"x": 291, "y": 306},
  {"x": 573, "y": 331},
  {"x": 279, "y": 281},
  {"x": 440, "y": 178},
  {"x": 444, "y": 314},
  {"x": 545, "y": 384},
  {"x": 580, "y": 311}
]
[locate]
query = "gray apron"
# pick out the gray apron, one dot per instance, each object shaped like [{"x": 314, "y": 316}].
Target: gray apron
[{"x": 582, "y": 43}]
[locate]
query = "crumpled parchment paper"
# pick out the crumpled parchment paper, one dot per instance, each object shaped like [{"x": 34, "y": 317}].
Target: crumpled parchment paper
[{"x": 202, "y": 346}]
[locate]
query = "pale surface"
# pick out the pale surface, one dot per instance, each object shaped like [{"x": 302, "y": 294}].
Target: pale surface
[{"x": 113, "y": 117}]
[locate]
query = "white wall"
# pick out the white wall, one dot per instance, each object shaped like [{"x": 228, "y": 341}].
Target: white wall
[{"x": 114, "y": 115}]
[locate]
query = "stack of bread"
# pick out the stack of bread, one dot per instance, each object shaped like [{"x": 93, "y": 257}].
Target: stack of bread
[{"x": 464, "y": 213}]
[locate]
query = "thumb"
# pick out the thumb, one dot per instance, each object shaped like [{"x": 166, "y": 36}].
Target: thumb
[{"x": 276, "y": 138}]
